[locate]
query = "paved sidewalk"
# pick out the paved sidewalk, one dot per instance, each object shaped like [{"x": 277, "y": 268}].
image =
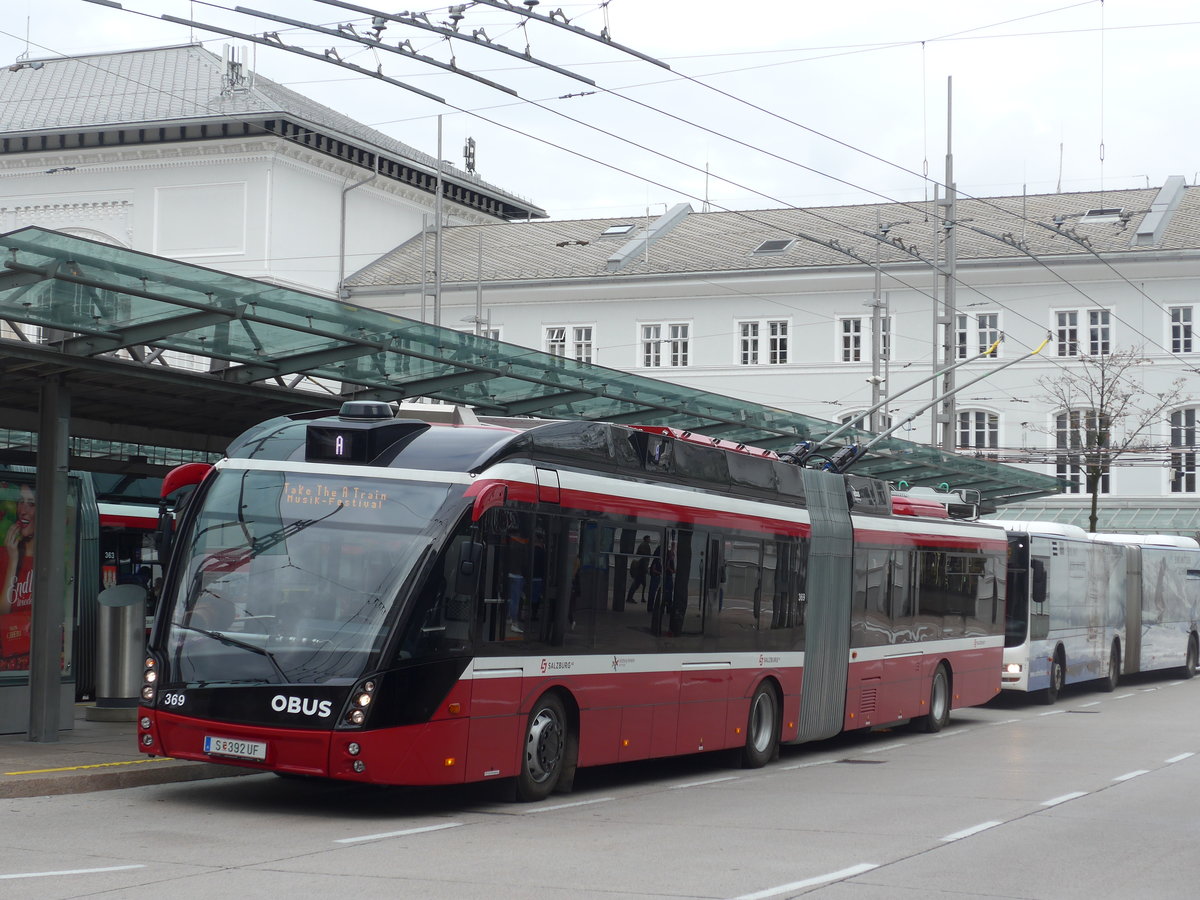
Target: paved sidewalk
[{"x": 94, "y": 756}]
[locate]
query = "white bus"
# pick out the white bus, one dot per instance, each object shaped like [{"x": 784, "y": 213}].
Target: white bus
[{"x": 1083, "y": 607}]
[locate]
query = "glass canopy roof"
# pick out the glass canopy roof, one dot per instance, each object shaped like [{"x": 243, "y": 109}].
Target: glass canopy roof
[{"x": 102, "y": 299}]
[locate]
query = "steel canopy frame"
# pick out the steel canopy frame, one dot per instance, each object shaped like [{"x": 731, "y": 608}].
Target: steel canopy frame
[{"x": 95, "y": 300}]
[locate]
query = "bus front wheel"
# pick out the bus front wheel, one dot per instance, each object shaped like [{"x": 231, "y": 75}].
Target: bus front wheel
[
  {"x": 544, "y": 753},
  {"x": 762, "y": 729},
  {"x": 1057, "y": 678}
]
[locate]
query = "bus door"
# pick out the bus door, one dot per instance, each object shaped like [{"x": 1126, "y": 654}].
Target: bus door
[
  {"x": 496, "y": 671},
  {"x": 904, "y": 671},
  {"x": 704, "y": 677}
]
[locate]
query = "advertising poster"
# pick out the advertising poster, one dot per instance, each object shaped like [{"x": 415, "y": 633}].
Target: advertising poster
[{"x": 18, "y": 510}]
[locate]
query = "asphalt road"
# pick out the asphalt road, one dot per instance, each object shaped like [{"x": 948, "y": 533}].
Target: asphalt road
[{"x": 1097, "y": 796}]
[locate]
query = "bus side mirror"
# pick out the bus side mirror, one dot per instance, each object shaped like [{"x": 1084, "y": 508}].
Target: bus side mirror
[{"x": 470, "y": 554}]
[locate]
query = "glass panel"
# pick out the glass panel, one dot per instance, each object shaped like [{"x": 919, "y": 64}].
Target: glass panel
[{"x": 260, "y": 331}]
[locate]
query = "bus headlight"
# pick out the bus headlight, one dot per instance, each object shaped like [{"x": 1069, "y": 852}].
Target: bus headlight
[
  {"x": 361, "y": 699},
  {"x": 1013, "y": 669}
]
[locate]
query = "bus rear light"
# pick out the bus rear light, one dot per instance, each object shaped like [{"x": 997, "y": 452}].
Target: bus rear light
[
  {"x": 454, "y": 708},
  {"x": 148, "y": 693},
  {"x": 357, "y": 716},
  {"x": 147, "y": 740},
  {"x": 359, "y": 766},
  {"x": 363, "y": 700},
  {"x": 145, "y": 723},
  {"x": 353, "y": 748},
  {"x": 449, "y": 762}
]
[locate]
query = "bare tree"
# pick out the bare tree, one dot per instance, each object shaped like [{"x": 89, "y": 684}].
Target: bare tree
[{"x": 1103, "y": 411}]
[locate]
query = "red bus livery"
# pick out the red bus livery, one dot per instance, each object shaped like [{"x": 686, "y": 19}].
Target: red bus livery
[{"x": 391, "y": 601}]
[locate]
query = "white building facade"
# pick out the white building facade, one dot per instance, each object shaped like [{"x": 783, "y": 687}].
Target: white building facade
[{"x": 779, "y": 307}]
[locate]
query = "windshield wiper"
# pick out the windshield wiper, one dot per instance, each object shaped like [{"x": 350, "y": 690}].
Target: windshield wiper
[{"x": 234, "y": 642}]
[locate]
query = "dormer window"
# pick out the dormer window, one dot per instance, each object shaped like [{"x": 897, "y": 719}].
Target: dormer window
[
  {"x": 1103, "y": 215},
  {"x": 773, "y": 248}
]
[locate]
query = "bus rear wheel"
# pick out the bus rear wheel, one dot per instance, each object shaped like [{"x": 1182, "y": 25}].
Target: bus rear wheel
[
  {"x": 762, "y": 729},
  {"x": 1114, "y": 669},
  {"x": 1192, "y": 659},
  {"x": 544, "y": 753},
  {"x": 938, "y": 716}
]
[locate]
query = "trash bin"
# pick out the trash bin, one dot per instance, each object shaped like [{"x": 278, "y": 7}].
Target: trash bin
[{"x": 120, "y": 653}]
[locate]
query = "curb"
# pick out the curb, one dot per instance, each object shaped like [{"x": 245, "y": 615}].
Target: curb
[{"x": 113, "y": 776}]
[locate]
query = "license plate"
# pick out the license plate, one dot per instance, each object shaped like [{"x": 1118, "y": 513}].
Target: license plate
[{"x": 218, "y": 746}]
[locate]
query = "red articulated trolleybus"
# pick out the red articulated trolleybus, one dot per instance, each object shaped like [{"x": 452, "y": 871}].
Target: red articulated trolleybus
[{"x": 390, "y": 601}]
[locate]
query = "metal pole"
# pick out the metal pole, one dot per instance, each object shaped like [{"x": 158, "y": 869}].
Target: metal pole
[
  {"x": 948, "y": 406},
  {"x": 479, "y": 287},
  {"x": 876, "y": 342},
  {"x": 49, "y": 610},
  {"x": 437, "y": 235},
  {"x": 936, "y": 317}
]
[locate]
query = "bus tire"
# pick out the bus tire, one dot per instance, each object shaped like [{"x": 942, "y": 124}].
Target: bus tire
[
  {"x": 543, "y": 750},
  {"x": 762, "y": 728},
  {"x": 1058, "y": 671},
  {"x": 938, "y": 716},
  {"x": 1192, "y": 658},
  {"x": 1109, "y": 683}
]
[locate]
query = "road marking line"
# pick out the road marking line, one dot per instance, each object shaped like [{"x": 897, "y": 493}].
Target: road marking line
[
  {"x": 884, "y": 748},
  {"x": 1006, "y": 722},
  {"x": 692, "y": 784},
  {"x": 1053, "y": 712},
  {"x": 72, "y": 872},
  {"x": 1064, "y": 798},
  {"x": 967, "y": 832},
  {"x": 127, "y": 762},
  {"x": 943, "y": 734},
  {"x": 1180, "y": 758},
  {"x": 805, "y": 765},
  {"x": 542, "y": 809},
  {"x": 1123, "y": 696},
  {"x": 1086, "y": 705},
  {"x": 391, "y": 834},
  {"x": 810, "y": 882},
  {"x": 1129, "y": 775}
]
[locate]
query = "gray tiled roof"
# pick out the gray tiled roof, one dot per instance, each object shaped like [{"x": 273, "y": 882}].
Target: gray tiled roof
[
  {"x": 995, "y": 228},
  {"x": 170, "y": 85}
]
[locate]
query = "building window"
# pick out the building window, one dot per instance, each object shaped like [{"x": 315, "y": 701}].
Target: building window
[
  {"x": 777, "y": 334},
  {"x": 1183, "y": 451},
  {"x": 852, "y": 337},
  {"x": 580, "y": 346},
  {"x": 1066, "y": 332},
  {"x": 1099, "y": 332},
  {"x": 674, "y": 336},
  {"x": 678, "y": 343},
  {"x": 750, "y": 347},
  {"x": 979, "y": 430},
  {"x": 556, "y": 340},
  {"x": 973, "y": 334},
  {"x": 1181, "y": 329},
  {"x": 581, "y": 343},
  {"x": 748, "y": 343},
  {"x": 1080, "y": 440}
]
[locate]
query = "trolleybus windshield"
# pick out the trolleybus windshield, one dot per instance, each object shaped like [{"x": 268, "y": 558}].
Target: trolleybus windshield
[{"x": 296, "y": 577}]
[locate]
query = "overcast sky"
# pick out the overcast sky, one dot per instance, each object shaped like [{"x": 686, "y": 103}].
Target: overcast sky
[{"x": 851, "y": 97}]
